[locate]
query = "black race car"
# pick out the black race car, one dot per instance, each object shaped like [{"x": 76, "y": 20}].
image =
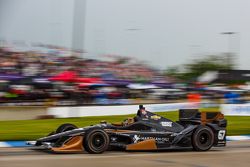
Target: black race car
[{"x": 146, "y": 131}]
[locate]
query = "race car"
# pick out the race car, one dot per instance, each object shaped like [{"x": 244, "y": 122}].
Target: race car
[{"x": 146, "y": 131}]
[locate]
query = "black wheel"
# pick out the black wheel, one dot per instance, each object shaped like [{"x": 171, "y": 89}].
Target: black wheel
[
  {"x": 96, "y": 141},
  {"x": 203, "y": 138},
  {"x": 65, "y": 127}
]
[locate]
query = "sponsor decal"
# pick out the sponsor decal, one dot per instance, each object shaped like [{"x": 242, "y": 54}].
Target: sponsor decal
[
  {"x": 168, "y": 124},
  {"x": 155, "y": 117},
  {"x": 138, "y": 138},
  {"x": 221, "y": 134},
  {"x": 113, "y": 139}
]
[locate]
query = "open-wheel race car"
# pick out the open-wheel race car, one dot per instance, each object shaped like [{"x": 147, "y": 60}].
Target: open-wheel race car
[{"x": 146, "y": 131}]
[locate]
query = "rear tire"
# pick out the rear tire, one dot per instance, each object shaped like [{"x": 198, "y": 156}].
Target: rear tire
[
  {"x": 202, "y": 138},
  {"x": 96, "y": 141}
]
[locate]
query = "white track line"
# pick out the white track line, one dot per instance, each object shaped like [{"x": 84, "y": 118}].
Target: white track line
[{"x": 4, "y": 144}]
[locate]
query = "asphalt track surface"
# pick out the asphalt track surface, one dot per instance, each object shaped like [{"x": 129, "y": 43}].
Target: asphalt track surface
[{"x": 236, "y": 153}]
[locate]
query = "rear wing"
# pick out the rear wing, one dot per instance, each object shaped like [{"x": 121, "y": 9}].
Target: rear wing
[{"x": 194, "y": 115}]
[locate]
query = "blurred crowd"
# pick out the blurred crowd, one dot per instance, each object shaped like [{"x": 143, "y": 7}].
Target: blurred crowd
[
  {"x": 50, "y": 75},
  {"x": 52, "y": 60}
]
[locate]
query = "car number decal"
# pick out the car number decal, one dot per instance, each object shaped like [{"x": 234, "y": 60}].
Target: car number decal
[{"x": 221, "y": 134}]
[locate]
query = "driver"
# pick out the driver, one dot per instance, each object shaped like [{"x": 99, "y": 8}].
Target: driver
[{"x": 142, "y": 112}]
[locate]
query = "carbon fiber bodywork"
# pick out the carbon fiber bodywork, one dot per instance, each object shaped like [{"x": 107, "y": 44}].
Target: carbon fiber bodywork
[{"x": 148, "y": 132}]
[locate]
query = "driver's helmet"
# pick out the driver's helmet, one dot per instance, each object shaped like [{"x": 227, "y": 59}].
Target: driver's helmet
[{"x": 142, "y": 111}]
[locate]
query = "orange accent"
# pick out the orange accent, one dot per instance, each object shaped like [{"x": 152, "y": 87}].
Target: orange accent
[
  {"x": 143, "y": 145},
  {"x": 219, "y": 116},
  {"x": 72, "y": 145},
  {"x": 129, "y": 121},
  {"x": 117, "y": 124},
  {"x": 204, "y": 119}
]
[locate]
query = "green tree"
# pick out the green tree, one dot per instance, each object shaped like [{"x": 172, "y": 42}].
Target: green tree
[{"x": 197, "y": 67}]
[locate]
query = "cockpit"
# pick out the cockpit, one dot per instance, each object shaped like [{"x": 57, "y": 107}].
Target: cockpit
[{"x": 145, "y": 120}]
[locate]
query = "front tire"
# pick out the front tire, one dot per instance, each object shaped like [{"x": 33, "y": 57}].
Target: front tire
[
  {"x": 202, "y": 138},
  {"x": 65, "y": 127},
  {"x": 96, "y": 141}
]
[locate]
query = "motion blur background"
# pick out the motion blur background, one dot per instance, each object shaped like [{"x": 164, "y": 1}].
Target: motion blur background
[
  {"x": 101, "y": 52},
  {"x": 86, "y": 61},
  {"x": 120, "y": 52}
]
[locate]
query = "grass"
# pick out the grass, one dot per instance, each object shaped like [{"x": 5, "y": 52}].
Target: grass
[{"x": 33, "y": 129}]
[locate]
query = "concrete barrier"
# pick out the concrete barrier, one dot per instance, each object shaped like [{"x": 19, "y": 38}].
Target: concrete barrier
[
  {"x": 66, "y": 112},
  {"x": 235, "y": 109},
  {"x": 21, "y": 112},
  {"x": 25, "y": 112}
]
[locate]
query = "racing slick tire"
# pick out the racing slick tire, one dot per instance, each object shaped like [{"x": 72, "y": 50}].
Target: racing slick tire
[
  {"x": 96, "y": 141},
  {"x": 65, "y": 127},
  {"x": 202, "y": 138}
]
